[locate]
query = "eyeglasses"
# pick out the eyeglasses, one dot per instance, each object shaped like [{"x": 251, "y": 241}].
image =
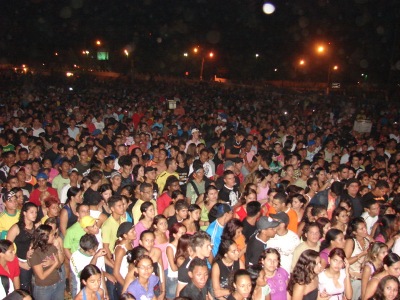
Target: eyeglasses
[{"x": 145, "y": 268}]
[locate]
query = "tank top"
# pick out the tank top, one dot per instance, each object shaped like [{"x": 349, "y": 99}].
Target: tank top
[
  {"x": 313, "y": 295},
  {"x": 163, "y": 248},
  {"x": 84, "y": 294},
  {"x": 123, "y": 270},
  {"x": 23, "y": 241},
  {"x": 225, "y": 272},
  {"x": 172, "y": 274},
  {"x": 355, "y": 268},
  {"x": 72, "y": 218}
]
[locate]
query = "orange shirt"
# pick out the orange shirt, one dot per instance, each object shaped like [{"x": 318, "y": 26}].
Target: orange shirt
[{"x": 293, "y": 221}]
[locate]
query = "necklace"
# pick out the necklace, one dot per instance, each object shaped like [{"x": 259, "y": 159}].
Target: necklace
[{"x": 229, "y": 268}]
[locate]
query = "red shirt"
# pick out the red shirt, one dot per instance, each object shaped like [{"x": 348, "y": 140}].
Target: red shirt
[
  {"x": 13, "y": 267},
  {"x": 163, "y": 202},
  {"x": 35, "y": 195}
]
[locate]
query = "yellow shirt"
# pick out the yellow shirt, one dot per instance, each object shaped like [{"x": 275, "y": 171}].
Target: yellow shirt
[
  {"x": 109, "y": 231},
  {"x": 6, "y": 221},
  {"x": 136, "y": 213},
  {"x": 162, "y": 179}
]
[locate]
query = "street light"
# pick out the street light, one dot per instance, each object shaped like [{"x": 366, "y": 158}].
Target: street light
[
  {"x": 330, "y": 69},
  {"x": 302, "y": 62},
  {"x": 210, "y": 55},
  {"x": 98, "y": 43},
  {"x": 126, "y": 52},
  {"x": 320, "y": 49}
]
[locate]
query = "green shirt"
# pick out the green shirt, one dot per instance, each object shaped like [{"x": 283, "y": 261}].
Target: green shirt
[
  {"x": 73, "y": 236},
  {"x": 109, "y": 231}
]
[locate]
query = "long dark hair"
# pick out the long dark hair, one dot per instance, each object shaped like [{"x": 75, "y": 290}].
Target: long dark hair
[
  {"x": 230, "y": 228},
  {"x": 379, "y": 294},
  {"x": 330, "y": 236},
  {"x": 72, "y": 192},
  {"x": 41, "y": 237},
  {"x": 223, "y": 249},
  {"x": 303, "y": 272},
  {"x": 25, "y": 208},
  {"x": 182, "y": 247},
  {"x": 352, "y": 226},
  {"x": 88, "y": 271},
  {"x": 386, "y": 226}
]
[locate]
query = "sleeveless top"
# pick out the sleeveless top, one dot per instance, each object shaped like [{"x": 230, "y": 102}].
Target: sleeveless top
[
  {"x": 23, "y": 242},
  {"x": 123, "y": 270},
  {"x": 263, "y": 193},
  {"x": 204, "y": 217},
  {"x": 72, "y": 218},
  {"x": 355, "y": 268},
  {"x": 241, "y": 212},
  {"x": 172, "y": 274},
  {"x": 84, "y": 294},
  {"x": 225, "y": 272},
  {"x": 163, "y": 248},
  {"x": 313, "y": 295}
]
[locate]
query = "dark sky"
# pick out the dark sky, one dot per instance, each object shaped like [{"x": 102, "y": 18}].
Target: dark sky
[{"x": 363, "y": 35}]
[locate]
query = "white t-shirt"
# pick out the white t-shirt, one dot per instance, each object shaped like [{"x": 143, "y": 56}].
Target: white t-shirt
[
  {"x": 285, "y": 245},
  {"x": 369, "y": 220}
]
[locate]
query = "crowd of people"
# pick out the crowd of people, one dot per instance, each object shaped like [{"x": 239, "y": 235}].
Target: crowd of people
[{"x": 234, "y": 193}]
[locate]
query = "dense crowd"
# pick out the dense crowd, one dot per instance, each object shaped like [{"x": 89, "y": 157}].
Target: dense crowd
[{"x": 234, "y": 193}]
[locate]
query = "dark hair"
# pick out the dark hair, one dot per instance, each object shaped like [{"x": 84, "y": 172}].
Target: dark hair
[
  {"x": 281, "y": 197},
  {"x": 132, "y": 255},
  {"x": 146, "y": 232},
  {"x": 253, "y": 208},
  {"x": 5, "y": 245},
  {"x": 25, "y": 208},
  {"x": 88, "y": 242},
  {"x": 337, "y": 252},
  {"x": 17, "y": 294},
  {"x": 176, "y": 193},
  {"x": 310, "y": 225},
  {"x": 270, "y": 251},
  {"x": 330, "y": 236},
  {"x": 235, "y": 277},
  {"x": 72, "y": 192},
  {"x": 144, "y": 207},
  {"x": 180, "y": 204},
  {"x": 127, "y": 296},
  {"x": 113, "y": 200},
  {"x": 230, "y": 228},
  {"x": 246, "y": 193},
  {"x": 386, "y": 226},
  {"x": 155, "y": 221},
  {"x": 379, "y": 293},
  {"x": 223, "y": 249},
  {"x": 303, "y": 272},
  {"x": 41, "y": 237},
  {"x": 352, "y": 226},
  {"x": 336, "y": 214},
  {"x": 254, "y": 272},
  {"x": 197, "y": 262},
  {"x": 139, "y": 259},
  {"x": 87, "y": 272},
  {"x": 182, "y": 247}
]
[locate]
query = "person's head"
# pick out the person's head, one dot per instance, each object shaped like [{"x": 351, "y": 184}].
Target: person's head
[
  {"x": 228, "y": 249},
  {"x": 270, "y": 259},
  {"x": 253, "y": 209},
  {"x": 376, "y": 252},
  {"x": 160, "y": 224},
  {"x": 194, "y": 212},
  {"x": 90, "y": 278},
  {"x": 148, "y": 211},
  {"x": 116, "y": 205},
  {"x": 146, "y": 191},
  {"x": 387, "y": 226},
  {"x": 74, "y": 194},
  {"x": 372, "y": 207},
  {"x": 381, "y": 188},
  {"x": 42, "y": 237},
  {"x": 267, "y": 227},
  {"x": 198, "y": 272},
  {"x": 334, "y": 238},
  {"x": 279, "y": 202},
  {"x": 336, "y": 259},
  {"x": 53, "y": 206},
  {"x": 132, "y": 255},
  {"x": 147, "y": 239},
  {"x": 176, "y": 231},
  {"x": 18, "y": 295},
  {"x": 200, "y": 243},
  {"x": 221, "y": 212},
  {"x": 181, "y": 209},
  {"x": 143, "y": 267},
  {"x": 89, "y": 244},
  {"x": 240, "y": 283},
  {"x": 233, "y": 229},
  {"x": 82, "y": 210},
  {"x": 211, "y": 194},
  {"x": 312, "y": 232},
  {"x": 388, "y": 288},
  {"x": 28, "y": 213},
  {"x": 306, "y": 269},
  {"x": 340, "y": 216},
  {"x": 319, "y": 211},
  {"x": 229, "y": 178},
  {"x": 7, "y": 250},
  {"x": 391, "y": 264},
  {"x": 172, "y": 184},
  {"x": 297, "y": 201},
  {"x": 10, "y": 201},
  {"x": 248, "y": 196},
  {"x": 324, "y": 225},
  {"x": 126, "y": 231}
]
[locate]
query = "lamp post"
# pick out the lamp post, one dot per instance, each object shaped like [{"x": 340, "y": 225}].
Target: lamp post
[
  {"x": 210, "y": 55},
  {"x": 301, "y": 63},
  {"x": 330, "y": 69}
]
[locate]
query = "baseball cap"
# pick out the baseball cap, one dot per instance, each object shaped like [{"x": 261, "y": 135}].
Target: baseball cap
[
  {"x": 149, "y": 169},
  {"x": 266, "y": 223},
  {"x": 114, "y": 174},
  {"x": 281, "y": 216},
  {"x": 194, "y": 130},
  {"x": 87, "y": 221},
  {"x": 311, "y": 143},
  {"x": 124, "y": 228},
  {"x": 42, "y": 176}
]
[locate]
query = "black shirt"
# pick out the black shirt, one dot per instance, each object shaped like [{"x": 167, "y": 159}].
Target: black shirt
[
  {"x": 248, "y": 230},
  {"x": 193, "y": 292},
  {"x": 92, "y": 197},
  {"x": 230, "y": 196},
  {"x": 254, "y": 249}
]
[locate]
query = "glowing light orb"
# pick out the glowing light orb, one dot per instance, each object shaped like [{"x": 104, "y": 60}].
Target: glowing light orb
[{"x": 268, "y": 8}]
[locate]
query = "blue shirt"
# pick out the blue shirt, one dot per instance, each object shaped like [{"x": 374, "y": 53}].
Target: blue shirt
[
  {"x": 139, "y": 292},
  {"x": 215, "y": 231}
]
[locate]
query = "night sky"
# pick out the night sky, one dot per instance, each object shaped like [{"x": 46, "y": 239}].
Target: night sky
[{"x": 361, "y": 36}]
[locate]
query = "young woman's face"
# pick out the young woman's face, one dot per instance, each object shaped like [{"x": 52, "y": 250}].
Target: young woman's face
[
  {"x": 147, "y": 241},
  {"x": 261, "y": 280},
  {"x": 145, "y": 268},
  {"x": 361, "y": 230},
  {"x": 382, "y": 253},
  {"x": 93, "y": 282},
  {"x": 212, "y": 195},
  {"x": 195, "y": 214},
  {"x": 251, "y": 197},
  {"x": 271, "y": 262},
  {"x": 339, "y": 241},
  {"x": 54, "y": 210},
  {"x": 243, "y": 286},
  {"x": 343, "y": 217},
  {"x": 9, "y": 255},
  {"x": 233, "y": 252},
  {"x": 162, "y": 225},
  {"x": 275, "y": 178},
  {"x": 296, "y": 204},
  {"x": 314, "y": 186},
  {"x": 326, "y": 228},
  {"x": 318, "y": 267},
  {"x": 394, "y": 269},
  {"x": 181, "y": 231},
  {"x": 390, "y": 290},
  {"x": 323, "y": 214},
  {"x": 107, "y": 194},
  {"x": 150, "y": 212},
  {"x": 31, "y": 214},
  {"x": 131, "y": 234},
  {"x": 336, "y": 263}
]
